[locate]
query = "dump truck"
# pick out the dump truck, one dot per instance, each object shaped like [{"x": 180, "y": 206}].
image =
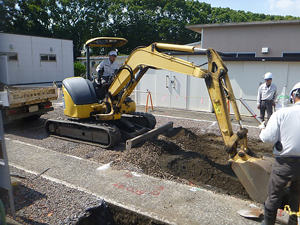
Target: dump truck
[
  {"x": 26, "y": 102},
  {"x": 106, "y": 114}
]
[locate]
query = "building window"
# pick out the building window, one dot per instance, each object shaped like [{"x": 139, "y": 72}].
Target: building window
[
  {"x": 44, "y": 57},
  {"x": 229, "y": 54},
  {"x": 10, "y": 56},
  {"x": 233, "y": 54},
  {"x": 246, "y": 55},
  {"x": 48, "y": 57},
  {"x": 291, "y": 54},
  {"x": 52, "y": 57}
]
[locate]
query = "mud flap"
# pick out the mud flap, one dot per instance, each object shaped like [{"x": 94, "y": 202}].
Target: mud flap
[{"x": 254, "y": 174}]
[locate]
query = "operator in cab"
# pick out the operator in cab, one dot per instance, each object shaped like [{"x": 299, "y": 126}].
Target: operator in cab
[
  {"x": 283, "y": 131},
  {"x": 107, "y": 68},
  {"x": 266, "y": 96}
]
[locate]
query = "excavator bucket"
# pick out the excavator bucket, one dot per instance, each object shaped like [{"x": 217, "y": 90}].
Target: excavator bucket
[{"x": 254, "y": 174}]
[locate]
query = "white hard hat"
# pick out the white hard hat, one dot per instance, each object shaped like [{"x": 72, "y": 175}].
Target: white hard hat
[
  {"x": 268, "y": 75},
  {"x": 296, "y": 87},
  {"x": 113, "y": 52}
]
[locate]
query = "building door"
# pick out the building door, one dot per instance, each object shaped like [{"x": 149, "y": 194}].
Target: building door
[
  {"x": 178, "y": 90},
  {"x": 163, "y": 89}
]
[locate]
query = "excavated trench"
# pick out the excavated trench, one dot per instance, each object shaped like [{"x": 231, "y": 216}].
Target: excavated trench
[{"x": 111, "y": 214}]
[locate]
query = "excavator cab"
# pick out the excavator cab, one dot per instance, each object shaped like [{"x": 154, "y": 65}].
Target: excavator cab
[
  {"x": 105, "y": 42},
  {"x": 104, "y": 121},
  {"x": 80, "y": 95}
]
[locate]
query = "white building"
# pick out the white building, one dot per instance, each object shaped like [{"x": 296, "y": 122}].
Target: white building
[{"x": 34, "y": 60}]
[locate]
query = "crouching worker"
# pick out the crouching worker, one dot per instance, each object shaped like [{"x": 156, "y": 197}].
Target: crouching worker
[{"x": 283, "y": 130}]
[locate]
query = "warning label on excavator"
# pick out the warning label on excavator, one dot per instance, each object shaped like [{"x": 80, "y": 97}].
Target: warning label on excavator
[{"x": 217, "y": 107}]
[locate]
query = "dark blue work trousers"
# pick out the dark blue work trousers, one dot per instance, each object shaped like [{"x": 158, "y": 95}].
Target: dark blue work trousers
[
  {"x": 284, "y": 170},
  {"x": 266, "y": 105}
]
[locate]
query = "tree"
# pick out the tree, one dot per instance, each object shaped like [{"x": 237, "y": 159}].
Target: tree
[
  {"x": 148, "y": 21},
  {"x": 25, "y": 17},
  {"x": 78, "y": 20},
  {"x": 79, "y": 69}
]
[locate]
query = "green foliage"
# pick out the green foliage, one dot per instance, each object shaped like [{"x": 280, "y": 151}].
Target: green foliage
[
  {"x": 141, "y": 22},
  {"x": 79, "y": 69},
  {"x": 28, "y": 17}
]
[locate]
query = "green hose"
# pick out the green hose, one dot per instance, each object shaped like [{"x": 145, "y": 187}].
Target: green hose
[{"x": 2, "y": 211}]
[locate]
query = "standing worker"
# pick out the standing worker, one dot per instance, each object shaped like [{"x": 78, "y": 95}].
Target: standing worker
[
  {"x": 266, "y": 96},
  {"x": 107, "y": 67},
  {"x": 283, "y": 131}
]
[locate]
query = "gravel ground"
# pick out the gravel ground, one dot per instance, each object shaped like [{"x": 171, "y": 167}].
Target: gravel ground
[{"x": 40, "y": 201}]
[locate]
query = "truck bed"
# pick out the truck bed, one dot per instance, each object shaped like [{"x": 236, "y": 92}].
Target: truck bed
[{"x": 15, "y": 96}]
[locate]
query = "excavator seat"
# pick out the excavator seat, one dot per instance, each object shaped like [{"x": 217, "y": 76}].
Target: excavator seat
[
  {"x": 101, "y": 90},
  {"x": 81, "y": 91}
]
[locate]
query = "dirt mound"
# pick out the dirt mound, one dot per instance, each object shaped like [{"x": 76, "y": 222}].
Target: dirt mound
[{"x": 181, "y": 155}]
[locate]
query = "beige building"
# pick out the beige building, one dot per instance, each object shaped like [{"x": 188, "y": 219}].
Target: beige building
[{"x": 248, "y": 39}]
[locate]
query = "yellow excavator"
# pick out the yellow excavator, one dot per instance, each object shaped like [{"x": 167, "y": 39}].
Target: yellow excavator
[{"x": 107, "y": 119}]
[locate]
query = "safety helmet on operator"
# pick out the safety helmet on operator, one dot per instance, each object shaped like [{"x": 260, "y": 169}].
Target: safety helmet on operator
[
  {"x": 296, "y": 90},
  {"x": 112, "y": 52},
  {"x": 268, "y": 76}
]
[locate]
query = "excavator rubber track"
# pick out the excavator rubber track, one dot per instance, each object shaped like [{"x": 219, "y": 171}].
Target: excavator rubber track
[{"x": 104, "y": 135}]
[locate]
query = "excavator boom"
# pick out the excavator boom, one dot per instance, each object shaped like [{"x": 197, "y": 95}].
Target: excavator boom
[{"x": 149, "y": 57}]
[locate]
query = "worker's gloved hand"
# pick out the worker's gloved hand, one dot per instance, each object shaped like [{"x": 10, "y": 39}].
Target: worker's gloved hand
[
  {"x": 262, "y": 125},
  {"x": 100, "y": 72},
  {"x": 97, "y": 81}
]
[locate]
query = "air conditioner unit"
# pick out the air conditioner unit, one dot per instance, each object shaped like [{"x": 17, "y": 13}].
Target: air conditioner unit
[{"x": 264, "y": 50}]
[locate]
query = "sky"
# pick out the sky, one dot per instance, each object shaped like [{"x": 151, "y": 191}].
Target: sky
[{"x": 268, "y": 7}]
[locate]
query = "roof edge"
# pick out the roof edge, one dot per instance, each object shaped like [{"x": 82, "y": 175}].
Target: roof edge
[{"x": 254, "y": 23}]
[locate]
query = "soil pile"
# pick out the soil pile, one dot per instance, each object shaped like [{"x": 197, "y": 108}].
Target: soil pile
[{"x": 181, "y": 155}]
